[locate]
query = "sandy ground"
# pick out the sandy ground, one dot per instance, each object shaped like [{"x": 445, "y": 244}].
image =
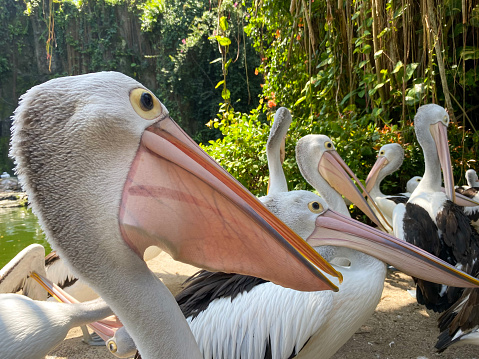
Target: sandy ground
[{"x": 399, "y": 329}]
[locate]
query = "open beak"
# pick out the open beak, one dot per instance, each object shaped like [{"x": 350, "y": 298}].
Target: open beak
[
  {"x": 380, "y": 163},
  {"x": 178, "y": 198},
  {"x": 334, "y": 229},
  {"x": 337, "y": 173},
  {"x": 105, "y": 328},
  {"x": 439, "y": 134}
]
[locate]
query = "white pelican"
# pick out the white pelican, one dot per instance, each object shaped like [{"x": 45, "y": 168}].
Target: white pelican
[
  {"x": 471, "y": 178},
  {"x": 32, "y": 328},
  {"x": 472, "y": 189},
  {"x": 411, "y": 185},
  {"x": 147, "y": 183},
  {"x": 15, "y": 276},
  {"x": 390, "y": 158},
  {"x": 430, "y": 219},
  {"x": 275, "y": 151},
  {"x": 325, "y": 170}
]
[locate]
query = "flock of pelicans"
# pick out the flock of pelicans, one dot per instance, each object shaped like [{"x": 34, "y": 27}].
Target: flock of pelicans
[{"x": 288, "y": 275}]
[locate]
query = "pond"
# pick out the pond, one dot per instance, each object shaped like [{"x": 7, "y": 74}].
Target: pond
[{"x": 18, "y": 228}]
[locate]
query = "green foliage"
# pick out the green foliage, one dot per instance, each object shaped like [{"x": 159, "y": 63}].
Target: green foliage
[
  {"x": 164, "y": 45},
  {"x": 343, "y": 72}
]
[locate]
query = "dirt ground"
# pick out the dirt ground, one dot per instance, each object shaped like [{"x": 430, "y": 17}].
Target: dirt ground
[{"x": 399, "y": 329}]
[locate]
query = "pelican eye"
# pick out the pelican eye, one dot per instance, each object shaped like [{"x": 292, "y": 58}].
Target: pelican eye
[
  {"x": 418, "y": 180},
  {"x": 145, "y": 104},
  {"x": 146, "y": 101},
  {"x": 112, "y": 346},
  {"x": 315, "y": 207},
  {"x": 381, "y": 153},
  {"x": 328, "y": 145}
]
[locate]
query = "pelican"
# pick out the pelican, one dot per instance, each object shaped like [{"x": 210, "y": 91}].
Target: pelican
[
  {"x": 16, "y": 275},
  {"x": 430, "y": 219},
  {"x": 235, "y": 316},
  {"x": 411, "y": 185},
  {"x": 471, "y": 178},
  {"x": 32, "y": 328},
  {"x": 472, "y": 188},
  {"x": 390, "y": 158},
  {"x": 147, "y": 183},
  {"x": 275, "y": 151},
  {"x": 459, "y": 324}
]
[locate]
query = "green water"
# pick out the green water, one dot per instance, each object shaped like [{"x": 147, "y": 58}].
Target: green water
[{"x": 18, "y": 228}]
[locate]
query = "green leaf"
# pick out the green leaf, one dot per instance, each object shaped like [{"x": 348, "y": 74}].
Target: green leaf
[
  {"x": 382, "y": 33},
  {"x": 373, "y": 90},
  {"x": 219, "y": 84},
  {"x": 224, "y": 41},
  {"x": 398, "y": 66},
  {"x": 300, "y": 100},
  {"x": 378, "y": 53},
  {"x": 226, "y": 94},
  {"x": 216, "y": 60},
  {"x": 410, "y": 68},
  {"x": 223, "y": 23},
  {"x": 228, "y": 63},
  {"x": 327, "y": 61},
  {"x": 470, "y": 53},
  {"x": 362, "y": 63}
]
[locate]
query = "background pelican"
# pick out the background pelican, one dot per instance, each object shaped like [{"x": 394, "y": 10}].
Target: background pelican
[
  {"x": 390, "y": 158},
  {"x": 147, "y": 183},
  {"x": 430, "y": 219},
  {"x": 32, "y": 328},
  {"x": 275, "y": 151},
  {"x": 471, "y": 178}
]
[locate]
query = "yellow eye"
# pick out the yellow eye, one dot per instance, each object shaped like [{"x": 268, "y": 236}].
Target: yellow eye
[
  {"x": 418, "y": 180},
  {"x": 315, "y": 207},
  {"x": 329, "y": 145},
  {"x": 381, "y": 153},
  {"x": 112, "y": 346},
  {"x": 145, "y": 104}
]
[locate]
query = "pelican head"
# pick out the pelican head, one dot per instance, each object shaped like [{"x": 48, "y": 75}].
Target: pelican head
[
  {"x": 390, "y": 158},
  {"x": 471, "y": 178},
  {"x": 326, "y": 171},
  {"x": 430, "y": 123},
  {"x": 412, "y": 184},
  {"x": 147, "y": 182}
]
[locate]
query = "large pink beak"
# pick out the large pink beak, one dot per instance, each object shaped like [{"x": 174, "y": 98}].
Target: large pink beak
[
  {"x": 105, "y": 328},
  {"x": 337, "y": 230},
  {"x": 439, "y": 134},
  {"x": 178, "y": 198},
  {"x": 380, "y": 163},
  {"x": 337, "y": 173}
]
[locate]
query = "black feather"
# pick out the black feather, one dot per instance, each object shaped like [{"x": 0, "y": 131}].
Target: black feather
[
  {"x": 457, "y": 244},
  {"x": 204, "y": 287}
]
